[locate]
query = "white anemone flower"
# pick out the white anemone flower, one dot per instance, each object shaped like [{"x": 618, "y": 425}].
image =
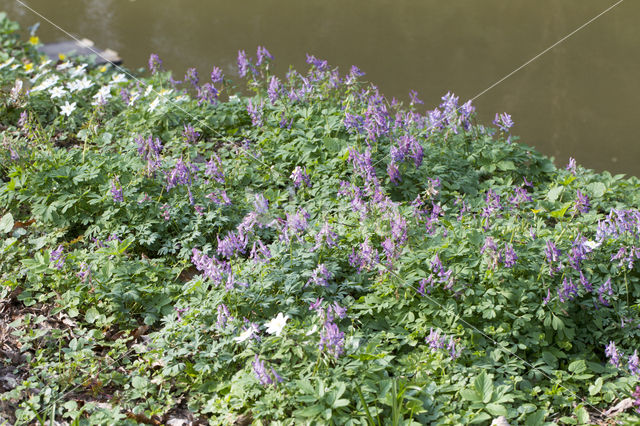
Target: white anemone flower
[
  {"x": 85, "y": 83},
  {"x": 67, "y": 108},
  {"x": 7, "y": 62},
  {"x": 57, "y": 92},
  {"x": 245, "y": 334},
  {"x": 149, "y": 90},
  {"x": 276, "y": 325},
  {"x": 77, "y": 71},
  {"x": 313, "y": 330},
  {"x": 118, "y": 78},
  {"x": 45, "y": 84},
  {"x": 153, "y": 105},
  {"x": 64, "y": 66}
]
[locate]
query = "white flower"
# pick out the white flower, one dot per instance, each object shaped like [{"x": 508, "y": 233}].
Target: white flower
[
  {"x": 276, "y": 325},
  {"x": 246, "y": 334},
  {"x": 153, "y": 105},
  {"x": 7, "y": 62},
  {"x": 57, "y": 92},
  {"x": 134, "y": 98},
  {"x": 44, "y": 64},
  {"x": 85, "y": 83},
  {"x": 592, "y": 244},
  {"x": 118, "y": 78},
  {"x": 104, "y": 93},
  {"x": 67, "y": 108},
  {"x": 79, "y": 70},
  {"x": 64, "y": 66},
  {"x": 45, "y": 84},
  {"x": 313, "y": 330},
  {"x": 14, "y": 66},
  {"x": 149, "y": 89}
]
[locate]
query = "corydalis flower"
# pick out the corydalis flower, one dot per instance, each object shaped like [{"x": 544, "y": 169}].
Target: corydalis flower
[
  {"x": 274, "y": 89},
  {"x": 216, "y": 75},
  {"x": 243, "y": 63},
  {"x": 582, "y": 204},
  {"x": 255, "y": 112},
  {"x": 503, "y": 121},
  {"x": 207, "y": 93},
  {"x": 57, "y": 256},
  {"x": 149, "y": 149},
  {"x": 214, "y": 169},
  {"x": 155, "y": 63},
  {"x": 612, "y": 353},
  {"x": 263, "y": 55},
  {"x": 224, "y": 316},
  {"x": 264, "y": 377},
  {"x": 300, "y": 176},
  {"x": 181, "y": 175},
  {"x": 325, "y": 236},
  {"x": 331, "y": 339},
  {"x": 437, "y": 342},
  {"x": 366, "y": 258},
  {"x": 192, "y": 77},
  {"x": 85, "y": 273},
  {"x": 320, "y": 276},
  {"x": 116, "y": 190},
  {"x": 605, "y": 289},
  {"x": 189, "y": 134}
]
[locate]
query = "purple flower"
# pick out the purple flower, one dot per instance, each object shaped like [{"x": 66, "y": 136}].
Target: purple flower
[
  {"x": 23, "y": 120},
  {"x": 354, "y": 74},
  {"x": 605, "y": 289},
  {"x": 231, "y": 244},
  {"x": 214, "y": 169},
  {"x": 149, "y": 149},
  {"x": 572, "y": 166},
  {"x": 585, "y": 283},
  {"x": 548, "y": 298},
  {"x": 216, "y": 75},
  {"x": 553, "y": 255},
  {"x": 320, "y": 276},
  {"x": 57, "y": 256},
  {"x": 578, "y": 252},
  {"x": 155, "y": 63},
  {"x": 454, "y": 349},
  {"x": 260, "y": 252},
  {"x": 434, "y": 340},
  {"x": 260, "y": 204},
  {"x": 503, "y": 121},
  {"x": 394, "y": 173},
  {"x": 582, "y": 202},
  {"x": 192, "y": 77},
  {"x": 224, "y": 316},
  {"x": 568, "y": 291},
  {"x": 181, "y": 175},
  {"x": 321, "y": 65},
  {"x": 509, "y": 256},
  {"x": 243, "y": 63},
  {"x": 263, "y": 54},
  {"x": 274, "y": 89},
  {"x": 520, "y": 196},
  {"x": 116, "y": 191},
  {"x": 325, "y": 235},
  {"x": 189, "y": 134},
  {"x": 255, "y": 112},
  {"x": 634, "y": 363},
  {"x": 219, "y": 197},
  {"x": 265, "y": 378},
  {"x": 207, "y": 93},
  {"x": 366, "y": 258},
  {"x": 85, "y": 272},
  {"x": 300, "y": 176},
  {"x": 492, "y": 203},
  {"x": 316, "y": 305},
  {"x": 413, "y": 95},
  {"x": 331, "y": 339},
  {"x": 612, "y": 353},
  {"x": 335, "y": 310}
]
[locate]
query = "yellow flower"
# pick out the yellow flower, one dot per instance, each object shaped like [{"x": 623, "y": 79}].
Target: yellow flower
[
  {"x": 34, "y": 40},
  {"x": 102, "y": 68},
  {"x": 62, "y": 56},
  {"x": 28, "y": 67}
]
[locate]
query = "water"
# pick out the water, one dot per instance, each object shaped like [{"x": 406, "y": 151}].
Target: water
[{"x": 577, "y": 100}]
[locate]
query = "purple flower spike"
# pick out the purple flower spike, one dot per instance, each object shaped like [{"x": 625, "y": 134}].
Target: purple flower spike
[
  {"x": 300, "y": 176},
  {"x": 189, "y": 134},
  {"x": 155, "y": 63},
  {"x": 57, "y": 256},
  {"x": 634, "y": 364},
  {"x": 216, "y": 75},
  {"x": 192, "y": 77},
  {"x": 332, "y": 339},
  {"x": 320, "y": 276},
  {"x": 116, "y": 191},
  {"x": 262, "y": 55},
  {"x": 413, "y": 95},
  {"x": 503, "y": 121},
  {"x": 243, "y": 63},
  {"x": 612, "y": 353}
]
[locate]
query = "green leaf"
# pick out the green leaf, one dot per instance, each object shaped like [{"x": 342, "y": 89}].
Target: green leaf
[
  {"x": 568, "y": 420},
  {"x": 597, "y": 189},
  {"x": 496, "y": 409},
  {"x": 484, "y": 387},
  {"x": 554, "y": 193},
  {"x": 91, "y": 315},
  {"x": 536, "y": 419},
  {"x": 470, "y": 395},
  {"x": 583, "y": 416},
  {"x": 482, "y": 417},
  {"x": 6, "y": 223},
  {"x": 561, "y": 212},
  {"x": 596, "y": 387},
  {"x": 578, "y": 366}
]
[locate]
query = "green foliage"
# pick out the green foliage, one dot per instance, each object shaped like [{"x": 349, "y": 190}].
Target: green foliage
[{"x": 142, "y": 283}]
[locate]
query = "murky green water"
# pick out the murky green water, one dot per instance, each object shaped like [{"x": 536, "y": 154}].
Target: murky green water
[{"x": 579, "y": 100}]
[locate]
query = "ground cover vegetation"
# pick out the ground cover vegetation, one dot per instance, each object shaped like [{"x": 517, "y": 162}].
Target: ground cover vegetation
[{"x": 301, "y": 249}]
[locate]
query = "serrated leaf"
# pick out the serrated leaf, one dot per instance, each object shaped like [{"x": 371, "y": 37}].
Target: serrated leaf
[
  {"x": 554, "y": 193},
  {"x": 484, "y": 387}
]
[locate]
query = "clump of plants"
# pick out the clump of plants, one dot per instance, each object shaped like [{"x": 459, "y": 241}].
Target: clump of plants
[{"x": 299, "y": 249}]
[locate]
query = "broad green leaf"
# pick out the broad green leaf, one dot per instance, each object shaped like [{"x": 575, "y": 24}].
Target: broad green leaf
[
  {"x": 496, "y": 409},
  {"x": 91, "y": 315},
  {"x": 6, "y": 223},
  {"x": 578, "y": 366},
  {"x": 470, "y": 395},
  {"x": 597, "y": 189},
  {"x": 596, "y": 387},
  {"x": 482, "y": 417},
  {"x": 583, "y": 416},
  {"x": 484, "y": 387},
  {"x": 554, "y": 193},
  {"x": 536, "y": 419}
]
